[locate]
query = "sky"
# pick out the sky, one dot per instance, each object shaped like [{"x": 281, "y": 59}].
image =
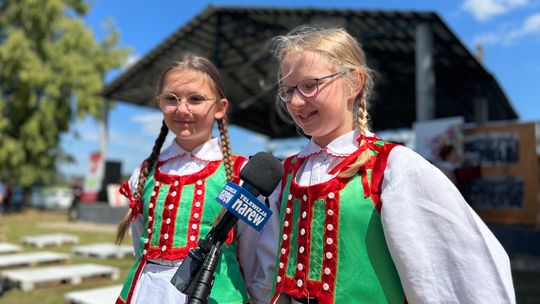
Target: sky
[{"x": 509, "y": 31}]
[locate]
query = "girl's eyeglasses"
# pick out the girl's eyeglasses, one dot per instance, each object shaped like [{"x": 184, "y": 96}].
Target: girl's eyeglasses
[
  {"x": 307, "y": 87},
  {"x": 168, "y": 102}
]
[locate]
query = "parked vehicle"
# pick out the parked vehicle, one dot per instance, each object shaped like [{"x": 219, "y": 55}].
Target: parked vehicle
[{"x": 52, "y": 198}]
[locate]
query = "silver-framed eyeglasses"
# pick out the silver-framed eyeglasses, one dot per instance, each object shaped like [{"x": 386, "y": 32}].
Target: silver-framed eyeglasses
[
  {"x": 169, "y": 102},
  {"x": 307, "y": 87}
]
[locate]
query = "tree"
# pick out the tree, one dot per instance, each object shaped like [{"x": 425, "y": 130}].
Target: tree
[{"x": 52, "y": 69}]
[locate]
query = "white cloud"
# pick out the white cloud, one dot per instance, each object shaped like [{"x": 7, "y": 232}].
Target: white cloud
[
  {"x": 150, "y": 123},
  {"x": 483, "y": 10},
  {"x": 530, "y": 27},
  {"x": 132, "y": 58}
]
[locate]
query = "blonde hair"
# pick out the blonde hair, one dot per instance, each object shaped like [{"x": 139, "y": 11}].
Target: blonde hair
[
  {"x": 197, "y": 64},
  {"x": 343, "y": 51}
]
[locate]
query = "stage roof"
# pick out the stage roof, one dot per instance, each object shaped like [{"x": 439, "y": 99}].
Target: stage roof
[{"x": 238, "y": 41}]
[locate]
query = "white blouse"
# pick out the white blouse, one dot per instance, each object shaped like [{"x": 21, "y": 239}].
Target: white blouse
[
  {"x": 252, "y": 245},
  {"x": 443, "y": 252}
]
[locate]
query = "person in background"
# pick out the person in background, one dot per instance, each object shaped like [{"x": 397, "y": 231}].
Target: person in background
[
  {"x": 77, "y": 189},
  {"x": 363, "y": 220},
  {"x": 3, "y": 194},
  {"x": 172, "y": 195}
]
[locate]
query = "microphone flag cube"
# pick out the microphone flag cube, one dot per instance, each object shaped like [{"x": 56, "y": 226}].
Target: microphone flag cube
[{"x": 244, "y": 205}]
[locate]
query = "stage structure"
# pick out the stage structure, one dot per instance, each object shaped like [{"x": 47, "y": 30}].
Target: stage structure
[{"x": 423, "y": 71}]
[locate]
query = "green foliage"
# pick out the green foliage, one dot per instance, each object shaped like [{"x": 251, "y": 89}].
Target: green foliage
[{"x": 52, "y": 69}]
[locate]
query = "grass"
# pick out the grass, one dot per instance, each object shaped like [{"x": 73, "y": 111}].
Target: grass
[{"x": 31, "y": 222}]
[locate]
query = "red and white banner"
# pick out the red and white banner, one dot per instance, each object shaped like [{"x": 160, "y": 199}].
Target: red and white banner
[{"x": 94, "y": 177}]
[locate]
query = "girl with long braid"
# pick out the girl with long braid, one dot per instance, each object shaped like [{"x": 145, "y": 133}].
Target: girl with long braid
[
  {"x": 172, "y": 195},
  {"x": 363, "y": 220}
]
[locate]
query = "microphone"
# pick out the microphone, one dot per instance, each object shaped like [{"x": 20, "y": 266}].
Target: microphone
[{"x": 260, "y": 175}]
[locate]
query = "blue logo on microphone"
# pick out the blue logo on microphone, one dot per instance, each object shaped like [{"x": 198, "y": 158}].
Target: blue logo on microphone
[{"x": 244, "y": 205}]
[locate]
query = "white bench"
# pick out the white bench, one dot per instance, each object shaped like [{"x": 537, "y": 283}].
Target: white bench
[
  {"x": 103, "y": 250},
  {"x": 55, "y": 239},
  {"x": 93, "y": 296},
  {"x": 30, "y": 278},
  {"x": 9, "y": 248},
  {"x": 32, "y": 258}
]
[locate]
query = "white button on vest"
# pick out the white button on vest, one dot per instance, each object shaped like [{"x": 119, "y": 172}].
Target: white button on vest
[
  {"x": 194, "y": 226},
  {"x": 329, "y": 255},
  {"x": 192, "y": 238},
  {"x": 199, "y": 192},
  {"x": 163, "y": 248},
  {"x": 331, "y": 195},
  {"x": 284, "y": 237},
  {"x": 325, "y": 286},
  {"x": 196, "y": 215},
  {"x": 149, "y": 230},
  {"x": 166, "y": 236},
  {"x": 302, "y": 231},
  {"x": 197, "y": 204},
  {"x": 290, "y": 197},
  {"x": 144, "y": 252},
  {"x": 168, "y": 221},
  {"x": 283, "y": 250},
  {"x": 300, "y": 267},
  {"x": 156, "y": 183},
  {"x": 281, "y": 265},
  {"x": 149, "y": 218},
  {"x": 153, "y": 193},
  {"x": 151, "y": 205},
  {"x": 330, "y": 212},
  {"x": 173, "y": 193},
  {"x": 288, "y": 210},
  {"x": 278, "y": 279},
  {"x": 327, "y": 270},
  {"x": 171, "y": 206},
  {"x": 199, "y": 182},
  {"x": 176, "y": 183},
  {"x": 304, "y": 214},
  {"x": 304, "y": 197},
  {"x": 330, "y": 227},
  {"x": 329, "y": 241},
  {"x": 301, "y": 249},
  {"x": 299, "y": 283}
]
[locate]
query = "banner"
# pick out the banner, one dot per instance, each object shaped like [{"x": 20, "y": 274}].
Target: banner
[{"x": 94, "y": 176}]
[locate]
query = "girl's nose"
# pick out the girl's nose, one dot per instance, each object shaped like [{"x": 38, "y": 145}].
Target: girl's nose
[
  {"x": 297, "y": 100},
  {"x": 183, "y": 108}
]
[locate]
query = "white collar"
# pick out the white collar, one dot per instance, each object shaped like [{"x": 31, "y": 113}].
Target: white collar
[
  {"x": 342, "y": 146},
  {"x": 209, "y": 151}
]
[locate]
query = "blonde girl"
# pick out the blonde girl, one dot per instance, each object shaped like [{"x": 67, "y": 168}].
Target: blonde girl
[{"x": 363, "y": 220}]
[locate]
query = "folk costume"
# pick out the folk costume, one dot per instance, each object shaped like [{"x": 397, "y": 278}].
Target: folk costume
[
  {"x": 177, "y": 209},
  {"x": 398, "y": 231}
]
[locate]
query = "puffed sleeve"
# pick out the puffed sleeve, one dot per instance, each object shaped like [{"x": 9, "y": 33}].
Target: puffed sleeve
[
  {"x": 257, "y": 253},
  {"x": 443, "y": 251}
]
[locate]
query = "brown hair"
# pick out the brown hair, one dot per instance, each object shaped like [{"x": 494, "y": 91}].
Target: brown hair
[
  {"x": 342, "y": 50},
  {"x": 201, "y": 65}
]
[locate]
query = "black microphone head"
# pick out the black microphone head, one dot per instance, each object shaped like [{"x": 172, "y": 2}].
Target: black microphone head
[{"x": 263, "y": 171}]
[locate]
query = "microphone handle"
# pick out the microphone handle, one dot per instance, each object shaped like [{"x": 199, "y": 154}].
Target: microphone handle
[{"x": 205, "y": 279}]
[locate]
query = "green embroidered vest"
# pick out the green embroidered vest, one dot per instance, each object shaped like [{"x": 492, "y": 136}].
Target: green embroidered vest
[
  {"x": 177, "y": 211},
  {"x": 332, "y": 245}
]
